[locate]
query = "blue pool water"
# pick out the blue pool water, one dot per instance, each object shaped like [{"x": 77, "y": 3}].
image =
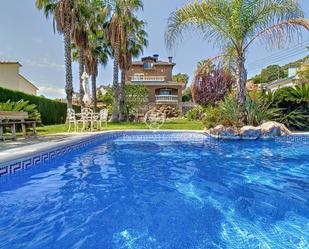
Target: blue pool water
[{"x": 144, "y": 192}]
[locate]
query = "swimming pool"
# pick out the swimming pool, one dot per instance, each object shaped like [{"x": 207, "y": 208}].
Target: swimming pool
[{"x": 162, "y": 190}]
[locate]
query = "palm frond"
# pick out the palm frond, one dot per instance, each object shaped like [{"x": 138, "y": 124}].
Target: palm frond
[
  {"x": 210, "y": 17},
  {"x": 282, "y": 33}
]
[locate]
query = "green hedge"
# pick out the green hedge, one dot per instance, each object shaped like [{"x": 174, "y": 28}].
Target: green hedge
[{"x": 52, "y": 112}]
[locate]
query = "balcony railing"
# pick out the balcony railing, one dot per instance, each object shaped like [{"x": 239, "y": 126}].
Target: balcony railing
[
  {"x": 148, "y": 78},
  {"x": 166, "y": 98}
]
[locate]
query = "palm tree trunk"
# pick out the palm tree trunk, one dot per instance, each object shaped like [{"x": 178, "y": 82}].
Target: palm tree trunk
[
  {"x": 68, "y": 69},
  {"x": 115, "y": 114},
  {"x": 81, "y": 71},
  {"x": 94, "y": 91},
  {"x": 122, "y": 116},
  {"x": 241, "y": 80}
]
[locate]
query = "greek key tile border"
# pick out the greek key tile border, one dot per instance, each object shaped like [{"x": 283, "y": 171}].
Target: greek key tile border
[{"x": 49, "y": 155}]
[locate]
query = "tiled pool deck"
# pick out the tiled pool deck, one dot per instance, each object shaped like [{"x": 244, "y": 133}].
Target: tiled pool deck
[
  {"x": 21, "y": 143},
  {"x": 24, "y": 153}
]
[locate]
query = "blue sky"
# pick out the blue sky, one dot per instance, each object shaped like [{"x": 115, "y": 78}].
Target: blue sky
[{"x": 26, "y": 36}]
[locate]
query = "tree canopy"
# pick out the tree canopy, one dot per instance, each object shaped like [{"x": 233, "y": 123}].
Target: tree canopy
[
  {"x": 269, "y": 74},
  {"x": 181, "y": 77}
]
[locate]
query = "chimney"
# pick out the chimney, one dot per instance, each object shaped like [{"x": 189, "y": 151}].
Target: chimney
[
  {"x": 170, "y": 59},
  {"x": 156, "y": 57}
]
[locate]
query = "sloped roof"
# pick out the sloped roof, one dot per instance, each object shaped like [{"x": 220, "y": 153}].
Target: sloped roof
[
  {"x": 10, "y": 62},
  {"x": 156, "y": 63},
  {"x": 154, "y": 59},
  {"x": 281, "y": 81}
]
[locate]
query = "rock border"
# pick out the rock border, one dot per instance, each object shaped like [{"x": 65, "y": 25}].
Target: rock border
[{"x": 268, "y": 130}]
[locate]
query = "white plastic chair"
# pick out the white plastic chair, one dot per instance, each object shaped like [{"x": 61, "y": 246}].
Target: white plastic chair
[
  {"x": 102, "y": 118},
  {"x": 71, "y": 119},
  {"x": 86, "y": 117}
]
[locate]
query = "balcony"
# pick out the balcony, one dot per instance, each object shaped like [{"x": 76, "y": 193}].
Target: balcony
[
  {"x": 166, "y": 98},
  {"x": 142, "y": 78}
]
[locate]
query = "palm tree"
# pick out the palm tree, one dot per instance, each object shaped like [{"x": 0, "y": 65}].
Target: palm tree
[
  {"x": 136, "y": 41},
  {"x": 80, "y": 38},
  {"x": 98, "y": 50},
  {"x": 116, "y": 33},
  {"x": 95, "y": 55},
  {"x": 237, "y": 24},
  {"x": 64, "y": 15}
]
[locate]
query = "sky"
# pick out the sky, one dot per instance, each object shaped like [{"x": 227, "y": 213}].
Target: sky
[{"x": 27, "y": 36}]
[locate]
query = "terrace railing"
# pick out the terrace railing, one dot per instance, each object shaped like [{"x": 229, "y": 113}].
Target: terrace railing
[
  {"x": 167, "y": 98},
  {"x": 141, "y": 78}
]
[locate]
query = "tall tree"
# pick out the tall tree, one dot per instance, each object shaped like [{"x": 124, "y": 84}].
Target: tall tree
[
  {"x": 136, "y": 41},
  {"x": 269, "y": 73},
  {"x": 80, "y": 38},
  {"x": 97, "y": 51},
  {"x": 237, "y": 24},
  {"x": 64, "y": 16},
  {"x": 181, "y": 77},
  {"x": 96, "y": 54},
  {"x": 122, "y": 13}
]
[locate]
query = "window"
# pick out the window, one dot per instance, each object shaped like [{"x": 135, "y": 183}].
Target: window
[
  {"x": 165, "y": 92},
  {"x": 148, "y": 65}
]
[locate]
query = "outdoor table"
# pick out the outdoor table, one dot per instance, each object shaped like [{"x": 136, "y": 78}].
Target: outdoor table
[{"x": 11, "y": 119}]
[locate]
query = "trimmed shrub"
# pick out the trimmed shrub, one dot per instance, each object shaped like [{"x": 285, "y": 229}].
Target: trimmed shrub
[{"x": 52, "y": 111}]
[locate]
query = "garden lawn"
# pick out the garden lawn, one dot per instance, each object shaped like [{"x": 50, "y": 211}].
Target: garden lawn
[{"x": 178, "y": 124}]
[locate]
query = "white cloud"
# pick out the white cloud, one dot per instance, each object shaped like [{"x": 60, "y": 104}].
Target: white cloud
[
  {"x": 51, "y": 92},
  {"x": 40, "y": 63},
  {"x": 44, "y": 63}
]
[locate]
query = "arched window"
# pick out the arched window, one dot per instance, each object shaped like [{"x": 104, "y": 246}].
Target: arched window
[{"x": 165, "y": 92}]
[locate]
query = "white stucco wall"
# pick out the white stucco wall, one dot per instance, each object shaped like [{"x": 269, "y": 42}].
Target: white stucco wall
[
  {"x": 11, "y": 79},
  {"x": 26, "y": 86},
  {"x": 9, "y": 76}
]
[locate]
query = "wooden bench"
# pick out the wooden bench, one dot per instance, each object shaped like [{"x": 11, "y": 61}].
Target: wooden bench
[{"x": 11, "y": 119}]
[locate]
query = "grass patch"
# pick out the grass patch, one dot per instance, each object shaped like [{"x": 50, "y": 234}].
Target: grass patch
[{"x": 178, "y": 124}]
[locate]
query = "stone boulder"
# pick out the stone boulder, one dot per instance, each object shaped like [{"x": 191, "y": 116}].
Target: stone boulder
[
  {"x": 224, "y": 132},
  {"x": 250, "y": 132},
  {"x": 215, "y": 131},
  {"x": 274, "y": 129}
]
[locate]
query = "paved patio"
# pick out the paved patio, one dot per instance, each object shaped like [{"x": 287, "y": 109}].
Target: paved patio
[
  {"x": 11, "y": 151},
  {"x": 21, "y": 142}
]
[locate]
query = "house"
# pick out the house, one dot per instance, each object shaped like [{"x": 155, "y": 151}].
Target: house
[
  {"x": 10, "y": 78},
  {"x": 281, "y": 83},
  {"x": 157, "y": 76},
  {"x": 292, "y": 80}
]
